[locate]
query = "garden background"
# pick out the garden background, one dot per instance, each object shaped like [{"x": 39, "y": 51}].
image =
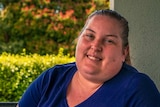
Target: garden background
[{"x": 36, "y": 35}]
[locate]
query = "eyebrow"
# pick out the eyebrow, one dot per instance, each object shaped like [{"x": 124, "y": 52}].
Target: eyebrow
[
  {"x": 111, "y": 35},
  {"x": 108, "y": 35},
  {"x": 91, "y": 30}
]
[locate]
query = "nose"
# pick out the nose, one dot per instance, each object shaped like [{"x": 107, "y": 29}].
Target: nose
[
  {"x": 96, "y": 46},
  {"x": 98, "y": 49}
]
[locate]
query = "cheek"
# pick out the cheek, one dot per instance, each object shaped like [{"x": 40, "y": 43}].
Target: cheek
[
  {"x": 114, "y": 55},
  {"x": 79, "y": 48},
  {"x": 82, "y": 44}
]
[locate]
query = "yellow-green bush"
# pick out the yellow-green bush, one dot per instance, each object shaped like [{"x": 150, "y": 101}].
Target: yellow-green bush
[{"x": 18, "y": 71}]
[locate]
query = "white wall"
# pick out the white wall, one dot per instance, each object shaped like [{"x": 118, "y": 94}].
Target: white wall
[{"x": 144, "y": 22}]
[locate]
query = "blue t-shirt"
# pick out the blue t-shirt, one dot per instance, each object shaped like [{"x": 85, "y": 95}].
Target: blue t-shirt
[{"x": 128, "y": 88}]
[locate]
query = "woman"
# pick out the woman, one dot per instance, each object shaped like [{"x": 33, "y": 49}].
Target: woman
[{"x": 99, "y": 77}]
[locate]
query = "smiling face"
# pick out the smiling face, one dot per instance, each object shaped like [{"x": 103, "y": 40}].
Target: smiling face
[{"x": 99, "y": 51}]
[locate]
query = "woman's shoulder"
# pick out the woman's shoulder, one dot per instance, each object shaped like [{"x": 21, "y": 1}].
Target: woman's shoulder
[
  {"x": 142, "y": 87},
  {"x": 135, "y": 74},
  {"x": 59, "y": 74},
  {"x": 60, "y": 69},
  {"x": 140, "y": 81},
  {"x": 55, "y": 74}
]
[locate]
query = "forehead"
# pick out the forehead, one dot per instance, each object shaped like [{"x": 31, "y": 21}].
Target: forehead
[
  {"x": 103, "y": 19},
  {"x": 104, "y": 24}
]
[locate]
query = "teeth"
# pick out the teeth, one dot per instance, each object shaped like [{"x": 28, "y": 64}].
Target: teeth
[{"x": 94, "y": 58}]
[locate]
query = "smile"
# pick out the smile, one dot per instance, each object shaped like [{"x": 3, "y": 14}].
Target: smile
[{"x": 94, "y": 58}]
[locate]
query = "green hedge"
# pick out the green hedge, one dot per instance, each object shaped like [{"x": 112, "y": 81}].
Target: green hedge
[{"x": 18, "y": 71}]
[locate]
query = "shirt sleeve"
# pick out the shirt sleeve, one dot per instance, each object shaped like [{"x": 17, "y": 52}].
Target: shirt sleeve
[
  {"x": 32, "y": 95},
  {"x": 142, "y": 92}
]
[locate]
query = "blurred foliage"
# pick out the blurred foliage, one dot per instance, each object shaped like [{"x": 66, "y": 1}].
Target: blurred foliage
[
  {"x": 17, "y": 71},
  {"x": 43, "y": 26},
  {"x": 40, "y": 28}
]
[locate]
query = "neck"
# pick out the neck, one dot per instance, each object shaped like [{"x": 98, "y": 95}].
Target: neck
[
  {"x": 80, "y": 89},
  {"x": 85, "y": 83}
]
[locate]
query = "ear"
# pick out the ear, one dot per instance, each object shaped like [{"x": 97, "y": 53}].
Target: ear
[
  {"x": 126, "y": 55},
  {"x": 126, "y": 51}
]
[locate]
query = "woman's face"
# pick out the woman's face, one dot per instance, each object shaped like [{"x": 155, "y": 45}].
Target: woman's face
[{"x": 99, "y": 51}]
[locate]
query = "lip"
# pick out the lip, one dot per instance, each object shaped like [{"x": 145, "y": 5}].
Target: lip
[{"x": 94, "y": 58}]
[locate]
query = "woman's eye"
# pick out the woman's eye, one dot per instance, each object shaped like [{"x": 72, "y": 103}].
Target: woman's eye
[
  {"x": 89, "y": 37},
  {"x": 109, "y": 41}
]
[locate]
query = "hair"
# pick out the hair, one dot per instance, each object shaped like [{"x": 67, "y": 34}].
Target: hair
[{"x": 116, "y": 16}]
